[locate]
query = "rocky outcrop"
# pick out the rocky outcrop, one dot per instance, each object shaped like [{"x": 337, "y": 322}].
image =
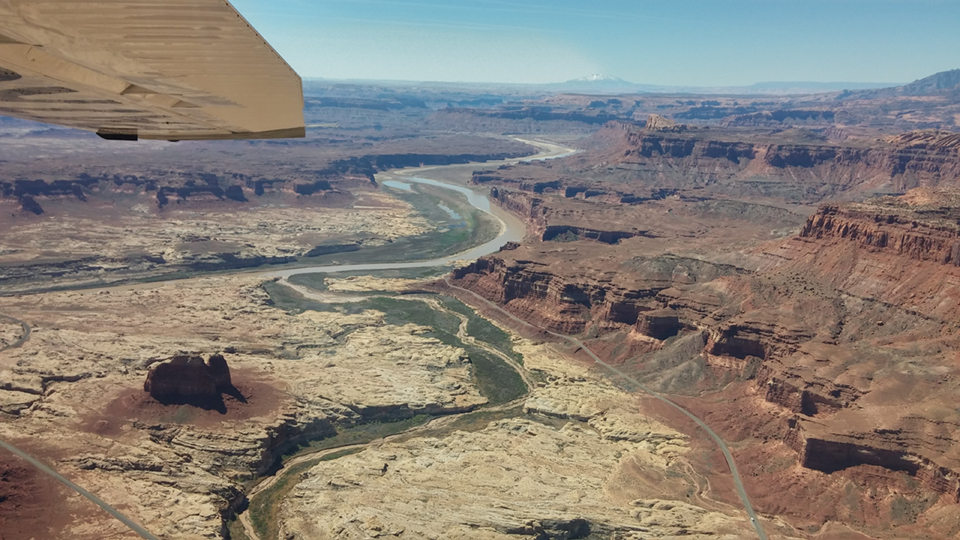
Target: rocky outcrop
[
  {"x": 833, "y": 453},
  {"x": 49, "y": 188},
  {"x": 803, "y": 393},
  {"x": 522, "y": 197},
  {"x": 29, "y": 204},
  {"x": 369, "y": 165},
  {"x": 312, "y": 187},
  {"x": 659, "y": 323},
  {"x": 529, "y": 208},
  {"x": 781, "y": 117},
  {"x": 534, "y": 210},
  {"x": 541, "y": 295},
  {"x": 760, "y": 333},
  {"x": 235, "y": 193},
  {"x": 655, "y": 122},
  {"x": 188, "y": 379},
  {"x": 536, "y": 293},
  {"x": 925, "y": 234}
]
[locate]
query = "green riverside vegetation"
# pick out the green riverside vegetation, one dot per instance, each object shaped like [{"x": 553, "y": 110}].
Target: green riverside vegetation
[{"x": 494, "y": 378}]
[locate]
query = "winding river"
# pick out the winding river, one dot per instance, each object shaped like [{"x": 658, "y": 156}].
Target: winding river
[{"x": 511, "y": 228}]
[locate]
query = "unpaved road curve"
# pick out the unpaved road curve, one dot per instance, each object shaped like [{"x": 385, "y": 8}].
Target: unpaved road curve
[
  {"x": 23, "y": 339},
  {"x": 727, "y": 455}
]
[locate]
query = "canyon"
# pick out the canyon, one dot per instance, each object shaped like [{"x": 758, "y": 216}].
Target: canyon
[
  {"x": 783, "y": 267},
  {"x": 822, "y": 349}
]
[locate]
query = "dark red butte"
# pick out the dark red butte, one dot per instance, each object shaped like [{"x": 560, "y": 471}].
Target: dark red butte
[{"x": 189, "y": 380}]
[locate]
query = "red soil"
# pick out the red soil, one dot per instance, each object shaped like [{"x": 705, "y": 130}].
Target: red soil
[
  {"x": 32, "y": 505},
  {"x": 135, "y": 405}
]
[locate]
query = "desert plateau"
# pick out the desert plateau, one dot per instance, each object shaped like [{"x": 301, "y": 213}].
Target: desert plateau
[{"x": 466, "y": 311}]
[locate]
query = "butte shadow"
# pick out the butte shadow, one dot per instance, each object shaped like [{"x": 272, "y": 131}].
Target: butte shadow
[{"x": 187, "y": 390}]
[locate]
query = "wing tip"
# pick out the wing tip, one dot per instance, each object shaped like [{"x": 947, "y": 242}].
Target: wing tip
[{"x": 298, "y": 132}]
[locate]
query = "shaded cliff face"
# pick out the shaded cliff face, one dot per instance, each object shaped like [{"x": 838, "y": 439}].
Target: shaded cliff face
[
  {"x": 931, "y": 235},
  {"x": 901, "y": 250},
  {"x": 176, "y": 187},
  {"x": 831, "y": 350}
]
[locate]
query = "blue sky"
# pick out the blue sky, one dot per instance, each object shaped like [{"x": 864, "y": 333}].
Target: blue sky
[{"x": 670, "y": 42}]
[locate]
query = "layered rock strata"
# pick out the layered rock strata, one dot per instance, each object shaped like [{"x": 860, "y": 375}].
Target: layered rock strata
[
  {"x": 640, "y": 165},
  {"x": 904, "y": 162},
  {"x": 926, "y": 235},
  {"x": 840, "y": 338}
]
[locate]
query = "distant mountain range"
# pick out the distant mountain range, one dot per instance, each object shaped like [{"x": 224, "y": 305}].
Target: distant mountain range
[
  {"x": 596, "y": 83},
  {"x": 945, "y": 81},
  {"x": 938, "y": 83},
  {"x": 606, "y": 84},
  {"x": 600, "y": 78}
]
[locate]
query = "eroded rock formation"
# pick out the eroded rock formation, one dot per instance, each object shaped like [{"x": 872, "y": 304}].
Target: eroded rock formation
[
  {"x": 628, "y": 164},
  {"x": 904, "y": 162},
  {"x": 189, "y": 379},
  {"x": 931, "y": 234},
  {"x": 840, "y": 335}
]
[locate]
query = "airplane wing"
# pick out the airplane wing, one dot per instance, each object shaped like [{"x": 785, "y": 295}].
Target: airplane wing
[{"x": 149, "y": 69}]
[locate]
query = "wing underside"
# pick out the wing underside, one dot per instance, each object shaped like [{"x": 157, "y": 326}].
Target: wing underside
[{"x": 150, "y": 69}]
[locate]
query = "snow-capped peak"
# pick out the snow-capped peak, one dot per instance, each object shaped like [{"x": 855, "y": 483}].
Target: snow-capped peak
[{"x": 597, "y": 77}]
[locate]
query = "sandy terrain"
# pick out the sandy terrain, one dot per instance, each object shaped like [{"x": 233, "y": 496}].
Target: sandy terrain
[
  {"x": 10, "y": 332},
  {"x": 180, "y": 236},
  {"x": 175, "y": 469},
  {"x": 615, "y": 472}
]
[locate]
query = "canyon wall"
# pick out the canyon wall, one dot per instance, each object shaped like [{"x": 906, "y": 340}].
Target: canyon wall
[
  {"x": 844, "y": 328},
  {"x": 539, "y": 294},
  {"x": 168, "y": 186},
  {"x": 924, "y": 158},
  {"x": 933, "y": 237},
  {"x": 629, "y": 164}
]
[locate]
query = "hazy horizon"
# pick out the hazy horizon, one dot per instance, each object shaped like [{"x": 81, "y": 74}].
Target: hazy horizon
[
  {"x": 695, "y": 43},
  {"x": 758, "y": 83}
]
